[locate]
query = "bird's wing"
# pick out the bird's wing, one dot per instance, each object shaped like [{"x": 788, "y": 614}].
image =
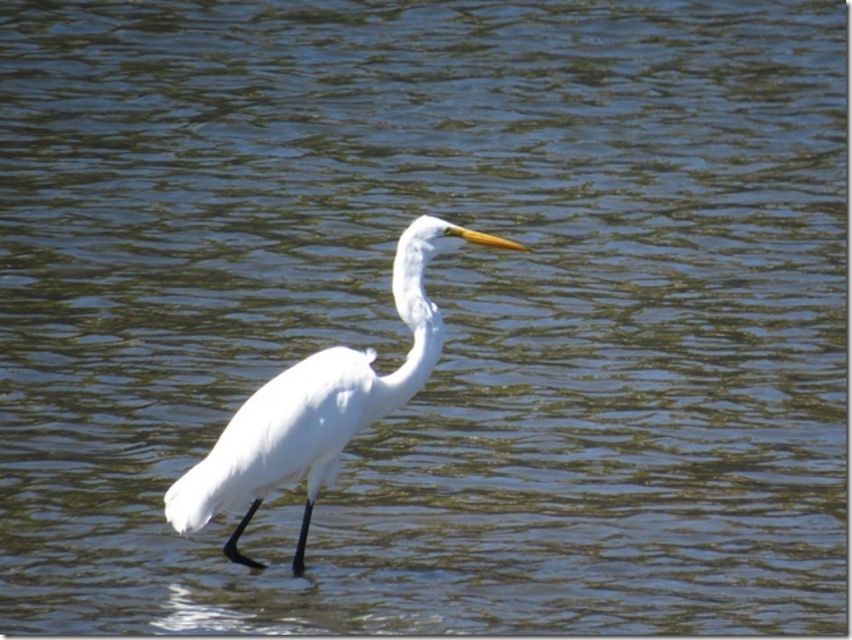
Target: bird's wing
[{"x": 302, "y": 417}]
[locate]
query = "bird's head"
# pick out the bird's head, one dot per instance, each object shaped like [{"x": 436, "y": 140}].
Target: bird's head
[
  {"x": 423, "y": 240},
  {"x": 430, "y": 236}
]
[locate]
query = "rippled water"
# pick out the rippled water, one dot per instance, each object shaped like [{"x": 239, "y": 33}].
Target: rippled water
[{"x": 638, "y": 428}]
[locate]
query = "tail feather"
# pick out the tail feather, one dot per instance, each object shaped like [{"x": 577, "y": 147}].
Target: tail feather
[{"x": 191, "y": 501}]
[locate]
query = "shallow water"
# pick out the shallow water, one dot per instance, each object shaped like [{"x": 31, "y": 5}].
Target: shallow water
[{"x": 638, "y": 428}]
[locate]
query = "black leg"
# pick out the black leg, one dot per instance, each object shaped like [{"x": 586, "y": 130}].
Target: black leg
[
  {"x": 299, "y": 558},
  {"x": 231, "y": 545}
]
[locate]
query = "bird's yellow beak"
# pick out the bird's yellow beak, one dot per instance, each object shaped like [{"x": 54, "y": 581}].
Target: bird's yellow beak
[{"x": 477, "y": 237}]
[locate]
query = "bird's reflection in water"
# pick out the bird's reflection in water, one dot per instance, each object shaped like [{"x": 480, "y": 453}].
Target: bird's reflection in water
[{"x": 188, "y": 613}]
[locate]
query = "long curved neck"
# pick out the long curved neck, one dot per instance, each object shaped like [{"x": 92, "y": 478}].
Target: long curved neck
[
  {"x": 401, "y": 385},
  {"x": 423, "y": 318}
]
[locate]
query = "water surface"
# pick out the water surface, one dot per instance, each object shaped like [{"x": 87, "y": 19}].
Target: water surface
[{"x": 637, "y": 429}]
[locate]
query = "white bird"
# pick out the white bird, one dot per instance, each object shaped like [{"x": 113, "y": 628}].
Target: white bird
[{"x": 299, "y": 422}]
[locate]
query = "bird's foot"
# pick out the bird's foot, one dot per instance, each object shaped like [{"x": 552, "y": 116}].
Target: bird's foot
[{"x": 236, "y": 556}]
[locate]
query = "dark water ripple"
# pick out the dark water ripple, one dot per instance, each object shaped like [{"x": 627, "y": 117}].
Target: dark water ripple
[{"x": 637, "y": 429}]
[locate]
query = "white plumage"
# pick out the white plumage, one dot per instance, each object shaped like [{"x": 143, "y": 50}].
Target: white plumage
[{"x": 299, "y": 422}]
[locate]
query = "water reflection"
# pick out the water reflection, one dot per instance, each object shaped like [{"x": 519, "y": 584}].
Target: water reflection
[{"x": 188, "y": 616}]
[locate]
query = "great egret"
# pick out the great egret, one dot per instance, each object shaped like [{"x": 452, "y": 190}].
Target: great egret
[{"x": 300, "y": 421}]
